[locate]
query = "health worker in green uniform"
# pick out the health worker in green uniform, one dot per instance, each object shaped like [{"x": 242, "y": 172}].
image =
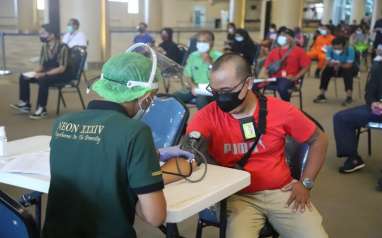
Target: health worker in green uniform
[{"x": 104, "y": 166}]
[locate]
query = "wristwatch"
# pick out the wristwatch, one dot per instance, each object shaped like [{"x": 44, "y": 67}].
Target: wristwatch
[{"x": 308, "y": 183}]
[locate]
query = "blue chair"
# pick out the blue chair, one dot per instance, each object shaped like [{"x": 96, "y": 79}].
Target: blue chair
[
  {"x": 167, "y": 119},
  {"x": 15, "y": 221},
  {"x": 296, "y": 156}
]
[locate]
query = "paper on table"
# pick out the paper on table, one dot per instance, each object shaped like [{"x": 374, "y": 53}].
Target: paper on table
[
  {"x": 202, "y": 90},
  {"x": 31, "y": 163},
  {"x": 30, "y": 74}
]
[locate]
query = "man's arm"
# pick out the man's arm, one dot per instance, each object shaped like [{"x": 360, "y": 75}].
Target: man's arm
[
  {"x": 151, "y": 208},
  {"x": 185, "y": 169}
]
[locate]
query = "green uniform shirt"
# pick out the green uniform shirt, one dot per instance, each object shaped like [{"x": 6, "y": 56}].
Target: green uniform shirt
[
  {"x": 197, "y": 69},
  {"x": 100, "y": 161}
]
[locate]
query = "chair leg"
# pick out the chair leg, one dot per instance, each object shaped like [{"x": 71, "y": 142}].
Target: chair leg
[
  {"x": 369, "y": 141},
  {"x": 223, "y": 219},
  {"x": 359, "y": 87},
  {"x": 199, "y": 229},
  {"x": 300, "y": 96},
  {"x": 58, "y": 103},
  {"x": 335, "y": 88},
  {"x": 63, "y": 100},
  {"x": 81, "y": 99},
  {"x": 358, "y": 133}
]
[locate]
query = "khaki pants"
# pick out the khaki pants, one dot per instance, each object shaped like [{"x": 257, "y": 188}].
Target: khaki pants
[{"x": 247, "y": 214}]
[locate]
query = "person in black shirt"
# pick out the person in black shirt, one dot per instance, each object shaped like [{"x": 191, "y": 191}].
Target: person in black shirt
[
  {"x": 378, "y": 36},
  {"x": 346, "y": 122},
  {"x": 170, "y": 49},
  {"x": 53, "y": 69},
  {"x": 244, "y": 46}
]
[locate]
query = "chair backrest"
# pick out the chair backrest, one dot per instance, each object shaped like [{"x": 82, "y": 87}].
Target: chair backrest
[
  {"x": 167, "y": 119},
  {"x": 77, "y": 59},
  {"x": 15, "y": 221},
  {"x": 297, "y": 153}
]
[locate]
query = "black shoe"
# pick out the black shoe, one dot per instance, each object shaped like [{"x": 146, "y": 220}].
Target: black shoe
[
  {"x": 320, "y": 99},
  {"x": 351, "y": 165},
  {"x": 317, "y": 73},
  {"x": 348, "y": 100},
  {"x": 22, "y": 107},
  {"x": 379, "y": 185},
  {"x": 40, "y": 113}
]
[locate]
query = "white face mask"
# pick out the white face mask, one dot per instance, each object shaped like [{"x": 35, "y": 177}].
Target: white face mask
[
  {"x": 337, "y": 52},
  {"x": 378, "y": 58},
  {"x": 239, "y": 38},
  {"x": 141, "y": 111},
  {"x": 323, "y": 32},
  {"x": 203, "y": 47},
  {"x": 282, "y": 40},
  {"x": 231, "y": 30}
]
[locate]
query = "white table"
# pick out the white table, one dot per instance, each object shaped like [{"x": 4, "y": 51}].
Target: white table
[{"x": 184, "y": 199}]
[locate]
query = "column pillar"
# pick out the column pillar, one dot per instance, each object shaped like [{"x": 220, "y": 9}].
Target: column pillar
[
  {"x": 287, "y": 13},
  {"x": 328, "y": 11},
  {"x": 153, "y": 14},
  {"x": 93, "y": 17},
  {"x": 237, "y": 12},
  {"x": 357, "y": 10},
  {"x": 27, "y": 16},
  {"x": 377, "y": 12}
]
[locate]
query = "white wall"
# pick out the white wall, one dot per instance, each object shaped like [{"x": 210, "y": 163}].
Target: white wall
[
  {"x": 119, "y": 18},
  {"x": 7, "y": 13}
]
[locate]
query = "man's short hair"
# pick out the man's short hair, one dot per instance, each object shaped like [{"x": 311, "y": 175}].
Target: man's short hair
[
  {"x": 143, "y": 24},
  {"x": 75, "y": 21},
  {"x": 51, "y": 30},
  {"x": 209, "y": 33},
  {"x": 243, "y": 69},
  {"x": 340, "y": 40}
]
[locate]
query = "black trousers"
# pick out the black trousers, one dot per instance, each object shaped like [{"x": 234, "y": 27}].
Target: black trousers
[
  {"x": 44, "y": 83},
  {"x": 329, "y": 72}
]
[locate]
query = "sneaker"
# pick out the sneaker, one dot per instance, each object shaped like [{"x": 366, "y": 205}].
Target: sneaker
[
  {"x": 320, "y": 99},
  {"x": 22, "y": 107},
  {"x": 351, "y": 165},
  {"x": 40, "y": 113},
  {"x": 348, "y": 100}
]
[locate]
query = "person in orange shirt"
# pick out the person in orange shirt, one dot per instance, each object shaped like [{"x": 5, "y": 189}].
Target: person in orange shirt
[{"x": 318, "y": 49}]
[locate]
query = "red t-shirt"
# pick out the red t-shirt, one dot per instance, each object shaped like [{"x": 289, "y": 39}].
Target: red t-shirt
[
  {"x": 296, "y": 60},
  {"x": 267, "y": 164}
]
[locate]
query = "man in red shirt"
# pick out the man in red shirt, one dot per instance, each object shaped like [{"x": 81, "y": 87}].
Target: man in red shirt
[
  {"x": 295, "y": 64},
  {"x": 272, "y": 193}
]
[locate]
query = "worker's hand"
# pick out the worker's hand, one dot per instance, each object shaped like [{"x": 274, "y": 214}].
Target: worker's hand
[
  {"x": 39, "y": 75},
  {"x": 299, "y": 198},
  {"x": 168, "y": 153},
  {"x": 292, "y": 78},
  {"x": 193, "y": 87},
  {"x": 376, "y": 108}
]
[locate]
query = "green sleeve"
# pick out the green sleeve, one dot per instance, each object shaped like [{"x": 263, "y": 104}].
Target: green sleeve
[
  {"x": 143, "y": 170},
  {"x": 188, "y": 68}
]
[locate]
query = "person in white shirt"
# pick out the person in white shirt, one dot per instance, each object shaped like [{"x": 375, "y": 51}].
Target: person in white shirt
[{"x": 73, "y": 37}]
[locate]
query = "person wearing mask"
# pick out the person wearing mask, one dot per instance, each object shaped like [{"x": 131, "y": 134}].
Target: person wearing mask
[
  {"x": 359, "y": 40},
  {"x": 197, "y": 70},
  {"x": 244, "y": 46},
  {"x": 52, "y": 69},
  {"x": 73, "y": 36},
  {"x": 346, "y": 122},
  {"x": 295, "y": 63},
  {"x": 319, "y": 48},
  {"x": 231, "y": 29},
  {"x": 270, "y": 37},
  {"x": 143, "y": 36},
  {"x": 339, "y": 63},
  {"x": 170, "y": 49},
  {"x": 104, "y": 166},
  {"x": 272, "y": 192}
]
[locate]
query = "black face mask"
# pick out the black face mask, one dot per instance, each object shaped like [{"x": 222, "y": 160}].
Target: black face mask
[
  {"x": 43, "y": 39},
  {"x": 229, "y": 100}
]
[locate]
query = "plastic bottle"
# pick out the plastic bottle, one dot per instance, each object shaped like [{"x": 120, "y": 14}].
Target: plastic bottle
[{"x": 3, "y": 141}]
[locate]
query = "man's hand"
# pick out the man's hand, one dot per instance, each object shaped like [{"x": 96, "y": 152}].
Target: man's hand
[
  {"x": 39, "y": 75},
  {"x": 193, "y": 87},
  {"x": 169, "y": 153},
  {"x": 300, "y": 196},
  {"x": 292, "y": 78},
  {"x": 376, "y": 108}
]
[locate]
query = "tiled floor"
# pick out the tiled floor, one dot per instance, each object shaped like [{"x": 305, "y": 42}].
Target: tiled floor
[{"x": 350, "y": 206}]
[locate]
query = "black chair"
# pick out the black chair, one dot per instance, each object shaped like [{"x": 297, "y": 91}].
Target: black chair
[
  {"x": 77, "y": 59},
  {"x": 370, "y": 126},
  {"x": 297, "y": 158},
  {"x": 297, "y": 89},
  {"x": 15, "y": 221}
]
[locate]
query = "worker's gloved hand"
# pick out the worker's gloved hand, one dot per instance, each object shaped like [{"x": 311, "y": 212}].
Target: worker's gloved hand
[{"x": 168, "y": 153}]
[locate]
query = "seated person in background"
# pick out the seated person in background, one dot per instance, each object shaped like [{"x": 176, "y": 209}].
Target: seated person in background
[
  {"x": 171, "y": 50},
  {"x": 267, "y": 43},
  {"x": 339, "y": 63},
  {"x": 143, "y": 36},
  {"x": 272, "y": 192},
  {"x": 359, "y": 40},
  {"x": 318, "y": 49},
  {"x": 73, "y": 36},
  {"x": 299, "y": 37},
  {"x": 244, "y": 46},
  {"x": 104, "y": 166},
  {"x": 346, "y": 122},
  {"x": 53, "y": 68},
  {"x": 295, "y": 64},
  {"x": 197, "y": 69},
  {"x": 231, "y": 29}
]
